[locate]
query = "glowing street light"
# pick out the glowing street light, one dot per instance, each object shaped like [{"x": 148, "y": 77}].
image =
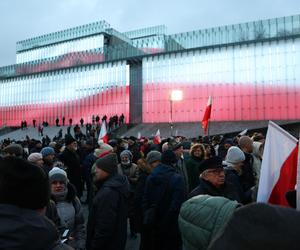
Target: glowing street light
[{"x": 176, "y": 95}]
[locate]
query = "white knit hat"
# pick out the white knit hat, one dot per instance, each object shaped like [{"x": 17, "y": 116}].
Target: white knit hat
[
  {"x": 234, "y": 155},
  {"x": 34, "y": 157},
  {"x": 57, "y": 174}
]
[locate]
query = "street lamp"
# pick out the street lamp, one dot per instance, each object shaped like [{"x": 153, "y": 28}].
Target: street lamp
[{"x": 176, "y": 95}]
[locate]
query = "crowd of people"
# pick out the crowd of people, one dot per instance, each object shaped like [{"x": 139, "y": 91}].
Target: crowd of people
[{"x": 182, "y": 193}]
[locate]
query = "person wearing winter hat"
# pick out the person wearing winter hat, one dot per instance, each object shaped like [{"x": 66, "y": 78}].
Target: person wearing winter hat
[
  {"x": 48, "y": 154},
  {"x": 153, "y": 158},
  {"x": 68, "y": 207},
  {"x": 248, "y": 175},
  {"x": 234, "y": 168},
  {"x": 109, "y": 208},
  {"x": 130, "y": 170},
  {"x": 134, "y": 148},
  {"x": 13, "y": 149},
  {"x": 36, "y": 159},
  {"x": 163, "y": 195},
  {"x": 235, "y": 158},
  {"x": 180, "y": 166},
  {"x": 24, "y": 194},
  {"x": 103, "y": 150},
  {"x": 71, "y": 161},
  {"x": 212, "y": 181},
  {"x": 69, "y": 140}
]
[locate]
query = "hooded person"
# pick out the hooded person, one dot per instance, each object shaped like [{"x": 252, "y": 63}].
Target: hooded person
[
  {"x": 24, "y": 195},
  {"x": 107, "y": 223},
  {"x": 202, "y": 218},
  {"x": 68, "y": 208}
]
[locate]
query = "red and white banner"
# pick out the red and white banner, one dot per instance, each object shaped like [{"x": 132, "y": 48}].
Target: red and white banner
[
  {"x": 279, "y": 166},
  {"x": 156, "y": 139},
  {"x": 206, "y": 116},
  {"x": 103, "y": 136}
]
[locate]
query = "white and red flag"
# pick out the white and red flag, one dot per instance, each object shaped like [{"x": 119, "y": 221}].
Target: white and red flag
[
  {"x": 279, "y": 166},
  {"x": 206, "y": 116},
  {"x": 156, "y": 139},
  {"x": 103, "y": 136}
]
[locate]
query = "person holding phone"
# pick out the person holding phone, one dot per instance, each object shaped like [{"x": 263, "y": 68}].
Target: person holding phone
[{"x": 68, "y": 208}]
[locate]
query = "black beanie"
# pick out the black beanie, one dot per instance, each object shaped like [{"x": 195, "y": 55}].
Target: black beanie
[
  {"x": 23, "y": 184},
  {"x": 69, "y": 139},
  {"x": 108, "y": 163}
]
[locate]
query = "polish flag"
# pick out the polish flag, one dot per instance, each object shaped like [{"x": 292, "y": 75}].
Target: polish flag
[
  {"x": 156, "y": 139},
  {"x": 139, "y": 136},
  {"x": 206, "y": 116},
  {"x": 103, "y": 136},
  {"x": 279, "y": 166}
]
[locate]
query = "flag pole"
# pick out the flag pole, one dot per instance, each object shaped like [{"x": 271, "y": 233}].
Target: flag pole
[
  {"x": 298, "y": 179},
  {"x": 208, "y": 126}
]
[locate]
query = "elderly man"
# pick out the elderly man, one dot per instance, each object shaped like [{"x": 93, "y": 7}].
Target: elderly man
[{"x": 213, "y": 182}]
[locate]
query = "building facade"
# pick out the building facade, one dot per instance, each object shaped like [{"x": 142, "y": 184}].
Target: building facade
[{"x": 251, "y": 70}]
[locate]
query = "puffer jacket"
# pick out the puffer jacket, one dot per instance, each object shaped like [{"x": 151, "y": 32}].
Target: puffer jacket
[{"x": 202, "y": 218}]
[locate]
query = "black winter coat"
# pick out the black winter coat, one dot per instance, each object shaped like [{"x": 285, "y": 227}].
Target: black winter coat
[
  {"x": 72, "y": 162},
  {"x": 228, "y": 190},
  {"x": 107, "y": 223},
  {"x": 27, "y": 230}
]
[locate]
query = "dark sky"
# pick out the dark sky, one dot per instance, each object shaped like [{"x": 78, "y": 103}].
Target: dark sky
[{"x": 22, "y": 19}]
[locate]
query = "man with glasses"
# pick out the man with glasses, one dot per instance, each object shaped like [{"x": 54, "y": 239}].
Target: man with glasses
[{"x": 213, "y": 181}]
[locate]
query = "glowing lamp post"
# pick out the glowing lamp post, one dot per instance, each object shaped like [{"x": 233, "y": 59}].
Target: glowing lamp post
[{"x": 176, "y": 95}]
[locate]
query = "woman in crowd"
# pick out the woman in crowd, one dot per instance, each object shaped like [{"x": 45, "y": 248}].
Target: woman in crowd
[
  {"x": 197, "y": 153},
  {"x": 68, "y": 208}
]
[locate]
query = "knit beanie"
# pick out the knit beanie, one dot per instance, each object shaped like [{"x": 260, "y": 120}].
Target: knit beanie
[
  {"x": 127, "y": 153},
  {"x": 234, "y": 155},
  {"x": 108, "y": 163},
  {"x": 57, "y": 174},
  {"x": 69, "y": 139},
  {"x": 23, "y": 184},
  {"x": 47, "y": 151},
  {"x": 102, "y": 150},
  {"x": 34, "y": 157},
  {"x": 52, "y": 144},
  {"x": 153, "y": 156},
  {"x": 14, "y": 149},
  {"x": 168, "y": 157}
]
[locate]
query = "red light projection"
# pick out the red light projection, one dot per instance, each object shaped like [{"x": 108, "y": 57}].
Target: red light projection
[{"x": 231, "y": 102}]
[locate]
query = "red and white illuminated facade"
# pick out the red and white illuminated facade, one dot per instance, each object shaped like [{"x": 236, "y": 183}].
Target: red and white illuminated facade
[{"x": 251, "y": 70}]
